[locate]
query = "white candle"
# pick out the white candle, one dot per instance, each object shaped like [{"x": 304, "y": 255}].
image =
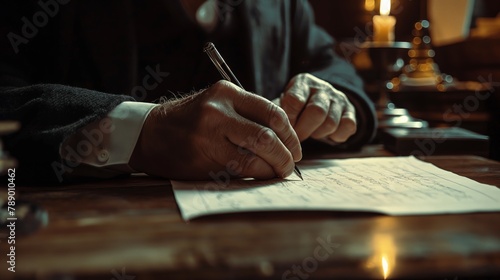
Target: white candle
[{"x": 383, "y": 25}]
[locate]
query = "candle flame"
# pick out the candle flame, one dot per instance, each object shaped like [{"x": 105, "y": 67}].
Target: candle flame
[
  {"x": 385, "y": 7},
  {"x": 385, "y": 267}
]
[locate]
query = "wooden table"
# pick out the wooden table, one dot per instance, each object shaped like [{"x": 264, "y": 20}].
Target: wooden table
[{"x": 131, "y": 229}]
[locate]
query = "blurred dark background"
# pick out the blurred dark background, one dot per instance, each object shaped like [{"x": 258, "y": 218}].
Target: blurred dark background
[
  {"x": 477, "y": 58},
  {"x": 345, "y": 20}
]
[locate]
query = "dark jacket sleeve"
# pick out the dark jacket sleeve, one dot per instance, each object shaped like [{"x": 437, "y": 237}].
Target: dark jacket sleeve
[
  {"x": 48, "y": 113},
  {"x": 313, "y": 53}
]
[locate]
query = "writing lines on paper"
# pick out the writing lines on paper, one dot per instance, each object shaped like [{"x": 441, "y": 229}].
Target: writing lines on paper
[
  {"x": 395, "y": 185},
  {"x": 383, "y": 179}
]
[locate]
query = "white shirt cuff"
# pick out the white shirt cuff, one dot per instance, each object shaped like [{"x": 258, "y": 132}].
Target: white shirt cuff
[{"x": 108, "y": 143}]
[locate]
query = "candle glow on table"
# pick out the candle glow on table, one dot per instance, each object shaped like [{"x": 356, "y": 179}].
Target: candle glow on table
[
  {"x": 383, "y": 25},
  {"x": 385, "y": 267}
]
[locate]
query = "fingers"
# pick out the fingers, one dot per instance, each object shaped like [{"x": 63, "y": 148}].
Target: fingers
[
  {"x": 295, "y": 98},
  {"x": 240, "y": 162},
  {"x": 267, "y": 114},
  {"x": 318, "y": 110},
  {"x": 263, "y": 143},
  {"x": 331, "y": 122},
  {"x": 261, "y": 127},
  {"x": 347, "y": 125},
  {"x": 337, "y": 126},
  {"x": 222, "y": 126},
  {"x": 314, "y": 115}
]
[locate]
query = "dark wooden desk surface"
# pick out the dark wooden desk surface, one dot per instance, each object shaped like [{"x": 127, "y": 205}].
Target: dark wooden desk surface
[{"x": 98, "y": 229}]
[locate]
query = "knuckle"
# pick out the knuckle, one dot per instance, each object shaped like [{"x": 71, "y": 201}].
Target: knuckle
[
  {"x": 277, "y": 117},
  {"x": 323, "y": 96},
  {"x": 220, "y": 84},
  {"x": 303, "y": 76},
  {"x": 267, "y": 143},
  {"x": 293, "y": 100},
  {"x": 298, "y": 77},
  {"x": 210, "y": 107},
  {"x": 317, "y": 109},
  {"x": 221, "y": 87},
  {"x": 266, "y": 140},
  {"x": 292, "y": 143},
  {"x": 313, "y": 80},
  {"x": 340, "y": 97}
]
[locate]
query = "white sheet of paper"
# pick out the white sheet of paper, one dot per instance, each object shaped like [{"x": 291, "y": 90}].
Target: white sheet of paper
[{"x": 391, "y": 185}]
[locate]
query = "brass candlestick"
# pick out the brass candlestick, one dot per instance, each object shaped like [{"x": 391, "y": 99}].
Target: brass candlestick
[
  {"x": 385, "y": 57},
  {"x": 421, "y": 72}
]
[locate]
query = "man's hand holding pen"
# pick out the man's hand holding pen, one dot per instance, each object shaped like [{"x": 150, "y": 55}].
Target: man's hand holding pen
[
  {"x": 226, "y": 128},
  {"x": 221, "y": 128}
]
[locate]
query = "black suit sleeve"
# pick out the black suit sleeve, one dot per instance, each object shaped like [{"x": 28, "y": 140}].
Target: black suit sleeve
[
  {"x": 313, "y": 53},
  {"x": 48, "y": 114}
]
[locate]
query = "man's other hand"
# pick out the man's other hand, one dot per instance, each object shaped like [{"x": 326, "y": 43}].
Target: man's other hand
[
  {"x": 223, "y": 128},
  {"x": 318, "y": 110}
]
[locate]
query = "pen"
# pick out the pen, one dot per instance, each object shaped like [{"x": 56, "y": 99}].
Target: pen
[{"x": 227, "y": 74}]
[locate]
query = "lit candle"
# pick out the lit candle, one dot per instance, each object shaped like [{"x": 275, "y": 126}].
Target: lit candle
[{"x": 383, "y": 25}]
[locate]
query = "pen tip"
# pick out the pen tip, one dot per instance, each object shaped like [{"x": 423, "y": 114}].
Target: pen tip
[{"x": 297, "y": 171}]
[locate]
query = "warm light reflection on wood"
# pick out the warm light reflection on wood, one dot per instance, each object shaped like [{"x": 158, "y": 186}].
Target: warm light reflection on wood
[
  {"x": 385, "y": 267},
  {"x": 385, "y": 7},
  {"x": 383, "y": 260}
]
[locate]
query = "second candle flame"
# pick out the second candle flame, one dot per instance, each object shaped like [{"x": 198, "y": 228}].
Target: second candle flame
[{"x": 385, "y": 7}]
